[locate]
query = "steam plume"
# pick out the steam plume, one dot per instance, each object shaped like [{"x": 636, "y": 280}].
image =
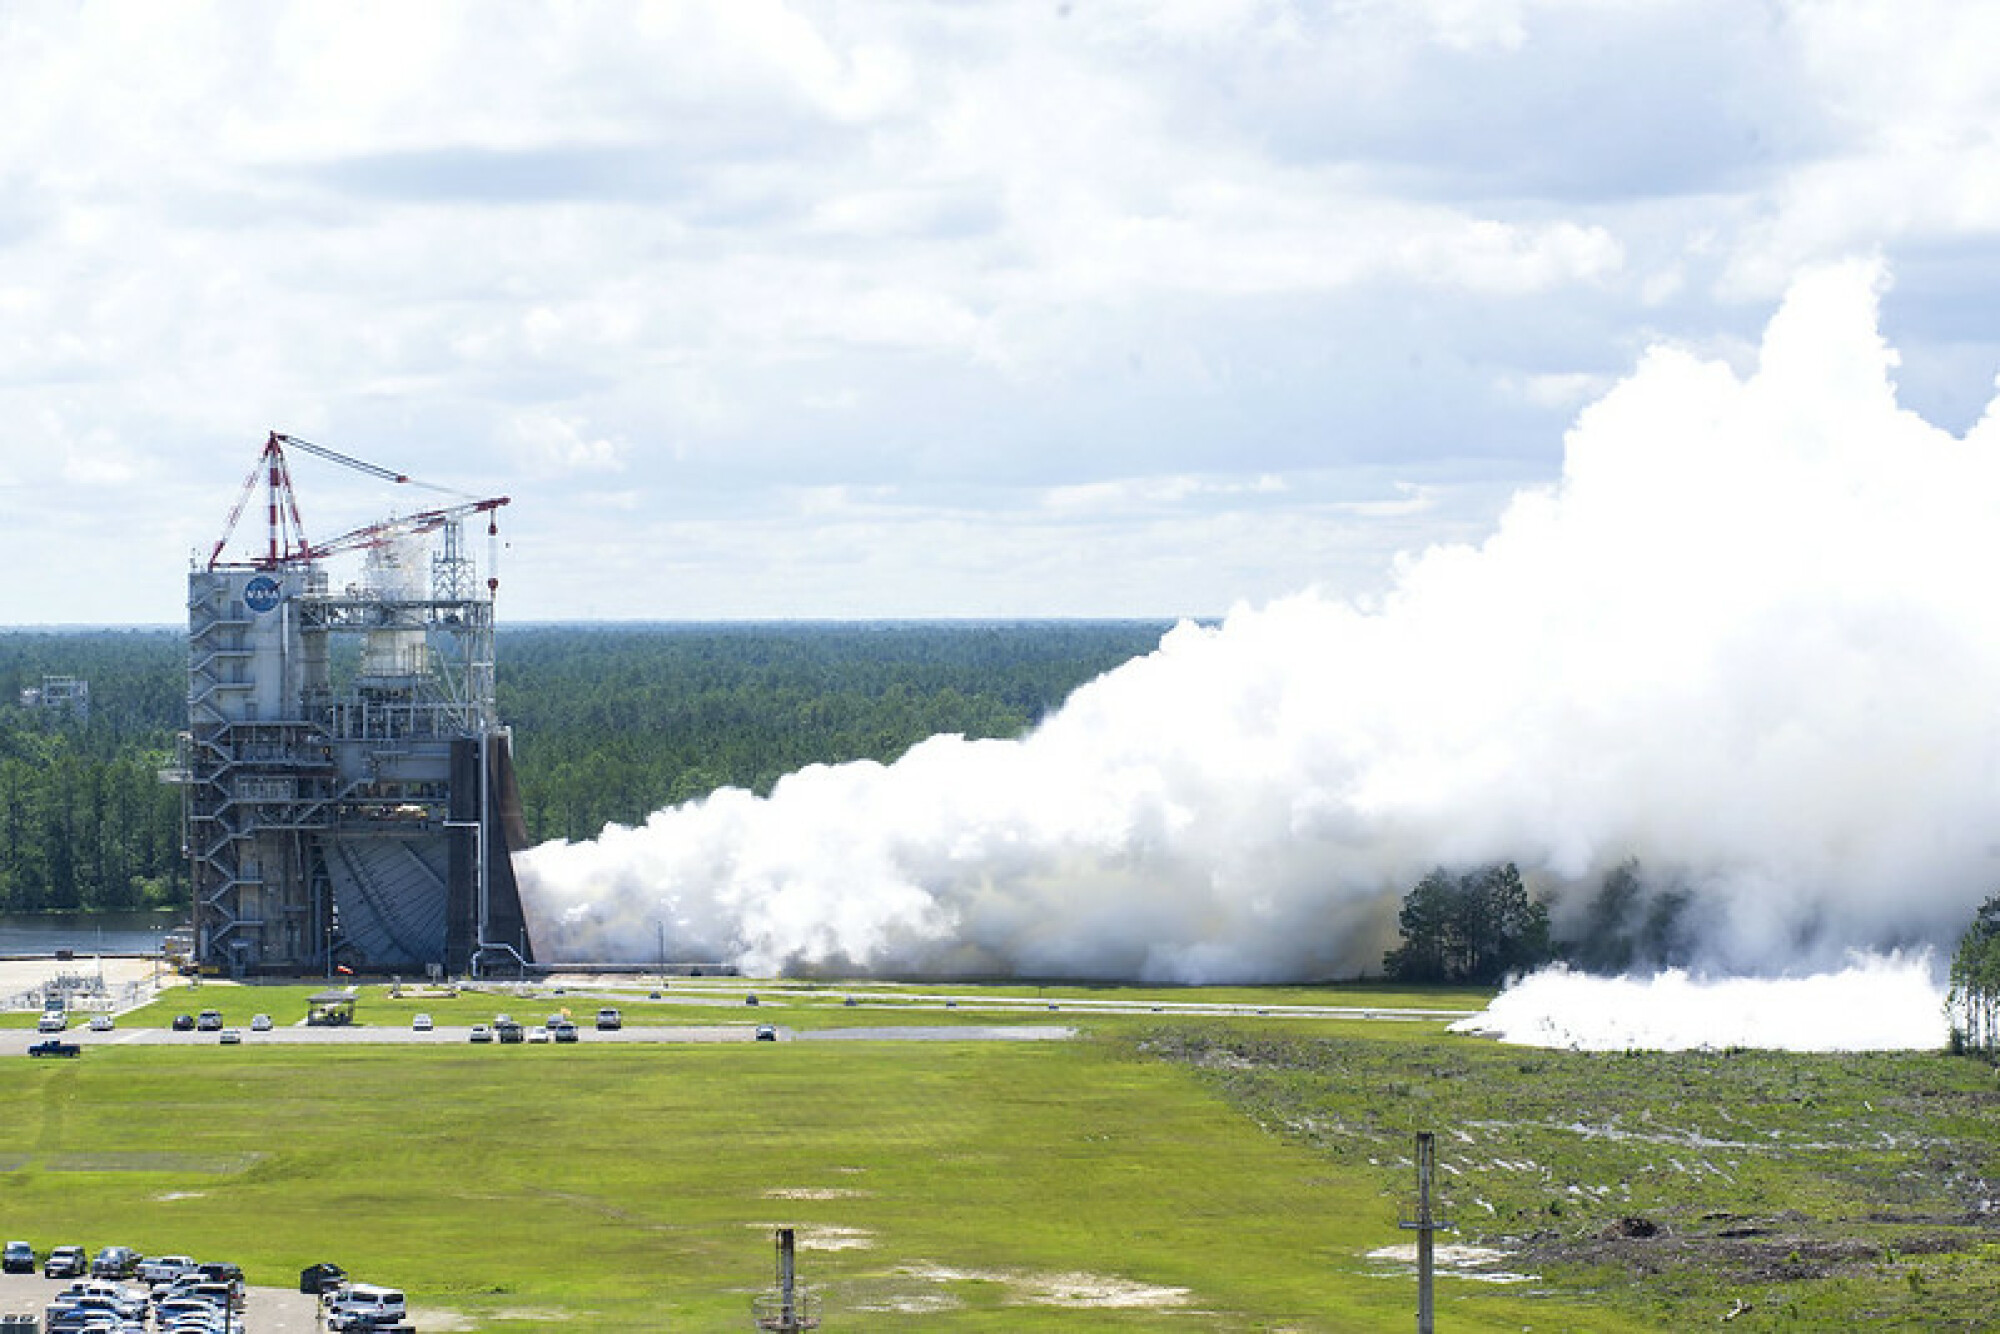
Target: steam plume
[
  {"x": 1750, "y": 638},
  {"x": 1873, "y": 1003}
]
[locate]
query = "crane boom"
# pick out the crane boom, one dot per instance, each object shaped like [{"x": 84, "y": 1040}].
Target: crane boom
[
  {"x": 409, "y": 525},
  {"x": 287, "y": 542},
  {"x": 347, "y": 460}
]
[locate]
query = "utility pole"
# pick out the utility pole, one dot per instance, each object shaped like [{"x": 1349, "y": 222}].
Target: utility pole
[
  {"x": 1425, "y": 1225},
  {"x": 788, "y": 1308}
]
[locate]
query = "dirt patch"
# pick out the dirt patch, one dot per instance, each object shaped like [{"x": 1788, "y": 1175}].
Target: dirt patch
[
  {"x": 1074, "y": 1291},
  {"x": 813, "y": 1193},
  {"x": 1481, "y": 1264},
  {"x": 824, "y": 1236}
]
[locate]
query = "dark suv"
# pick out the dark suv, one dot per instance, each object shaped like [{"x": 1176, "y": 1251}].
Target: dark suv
[
  {"x": 115, "y": 1262},
  {"x": 19, "y": 1258},
  {"x": 323, "y": 1277}
]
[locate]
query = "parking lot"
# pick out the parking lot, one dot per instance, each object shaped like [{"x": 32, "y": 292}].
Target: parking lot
[{"x": 267, "y": 1311}]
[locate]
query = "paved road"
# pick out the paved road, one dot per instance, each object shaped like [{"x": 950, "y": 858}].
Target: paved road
[
  {"x": 15, "y": 1041},
  {"x": 268, "y": 1311}
]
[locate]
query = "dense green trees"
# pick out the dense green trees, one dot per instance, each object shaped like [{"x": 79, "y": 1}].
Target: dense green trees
[
  {"x": 610, "y": 724},
  {"x": 84, "y": 820},
  {"x": 1478, "y": 926},
  {"x": 1974, "y": 999},
  {"x": 1475, "y": 927}
]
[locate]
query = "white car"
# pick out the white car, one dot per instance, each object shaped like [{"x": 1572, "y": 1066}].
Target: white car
[
  {"x": 366, "y": 1304},
  {"x": 52, "y": 1021},
  {"x": 166, "y": 1268},
  {"x": 260, "y": 1023},
  {"x": 420, "y": 1023},
  {"x": 102, "y": 1023}
]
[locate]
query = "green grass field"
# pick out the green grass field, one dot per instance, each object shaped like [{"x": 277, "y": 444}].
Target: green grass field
[{"x": 1160, "y": 1172}]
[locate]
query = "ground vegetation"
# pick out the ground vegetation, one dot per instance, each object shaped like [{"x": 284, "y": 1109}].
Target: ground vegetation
[{"x": 1161, "y": 1171}]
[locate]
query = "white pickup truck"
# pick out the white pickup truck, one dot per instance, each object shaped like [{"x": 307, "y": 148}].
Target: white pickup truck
[{"x": 166, "y": 1268}]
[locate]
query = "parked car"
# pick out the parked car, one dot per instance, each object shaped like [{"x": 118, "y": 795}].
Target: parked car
[
  {"x": 74, "y": 1309},
  {"x": 750, "y": 998},
  {"x": 183, "y": 1023},
  {"x": 260, "y": 1023},
  {"x": 17, "y": 1258},
  {"x": 509, "y": 1031},
  {"x": 208, "y": 1021},
  {"x": 102, "y": 1023},
  {"x": 229, "y": 1037},
  {"x": 65, "y": 1262},
  {"x": 554, "y": 1019},
  {"x": 538, "y": 1035},
  {"x": 54, "y": 1047},
  {"x": 160, "y": 1269},
  {"x": 321, "y": 1278},
  {"x": 609, "y": 1019},
  {"x": 420, "y": 1023},
  {"x": 115, "y": 1262},
  {"x": 766, "y": 1033},
  {"x": 191, "y": 1314},
  {"x": 480, "y": 1033},
  {"x": 565, "y": 1031},
  {"x": 375, "y": 1304},
  {"x": 52, "y": 1021}
]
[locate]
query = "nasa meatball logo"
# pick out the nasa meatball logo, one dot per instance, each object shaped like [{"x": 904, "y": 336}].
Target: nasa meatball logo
[{"x": 261, "y": 593}]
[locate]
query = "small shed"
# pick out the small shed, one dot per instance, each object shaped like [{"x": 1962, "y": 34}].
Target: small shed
[{"x": 329, "y": 1008}]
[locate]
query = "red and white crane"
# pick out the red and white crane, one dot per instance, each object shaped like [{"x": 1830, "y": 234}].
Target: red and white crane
[{"x": 287, "y": 544}]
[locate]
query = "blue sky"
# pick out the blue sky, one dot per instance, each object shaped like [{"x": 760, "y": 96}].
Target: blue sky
[{"x": 853, "y": 310}]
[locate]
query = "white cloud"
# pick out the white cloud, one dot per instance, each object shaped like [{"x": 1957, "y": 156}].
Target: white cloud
[
  {"x": 547, "y": 445},
  {"x": 723, "y": 250}
]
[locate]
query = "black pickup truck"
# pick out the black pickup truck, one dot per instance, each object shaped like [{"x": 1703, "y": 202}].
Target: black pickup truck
[{"x": 54, "y": 1047}]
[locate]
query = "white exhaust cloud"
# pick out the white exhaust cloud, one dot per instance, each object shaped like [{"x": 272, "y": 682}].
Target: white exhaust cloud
[
  {"x": 1751, "y": 638},
  {"x": 1875, "y": 1002}
]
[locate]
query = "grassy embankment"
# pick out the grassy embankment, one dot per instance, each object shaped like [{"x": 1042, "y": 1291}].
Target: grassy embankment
[{"x": 1166, "y": 1172}]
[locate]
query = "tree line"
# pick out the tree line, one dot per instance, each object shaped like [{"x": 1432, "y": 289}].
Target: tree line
[
  {"x": 610, "y": 723},
  {"x": 84, "y": 821},
  {"x": 1477, "y": 927},
  {"x": 1973, "y": 1002},
  {"x": 613, "y": 723}
]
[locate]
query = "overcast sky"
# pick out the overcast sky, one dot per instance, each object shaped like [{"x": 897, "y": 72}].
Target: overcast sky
[{"x": 895, "y": 309}]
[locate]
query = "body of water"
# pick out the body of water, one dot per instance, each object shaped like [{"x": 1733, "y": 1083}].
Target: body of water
[{"x": 86, "y": 933}]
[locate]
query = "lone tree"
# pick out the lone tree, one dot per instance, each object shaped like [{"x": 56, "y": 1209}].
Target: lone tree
[
  {"x": 1974, "y": 999},
  {"x": 1476, "y": 928}
]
